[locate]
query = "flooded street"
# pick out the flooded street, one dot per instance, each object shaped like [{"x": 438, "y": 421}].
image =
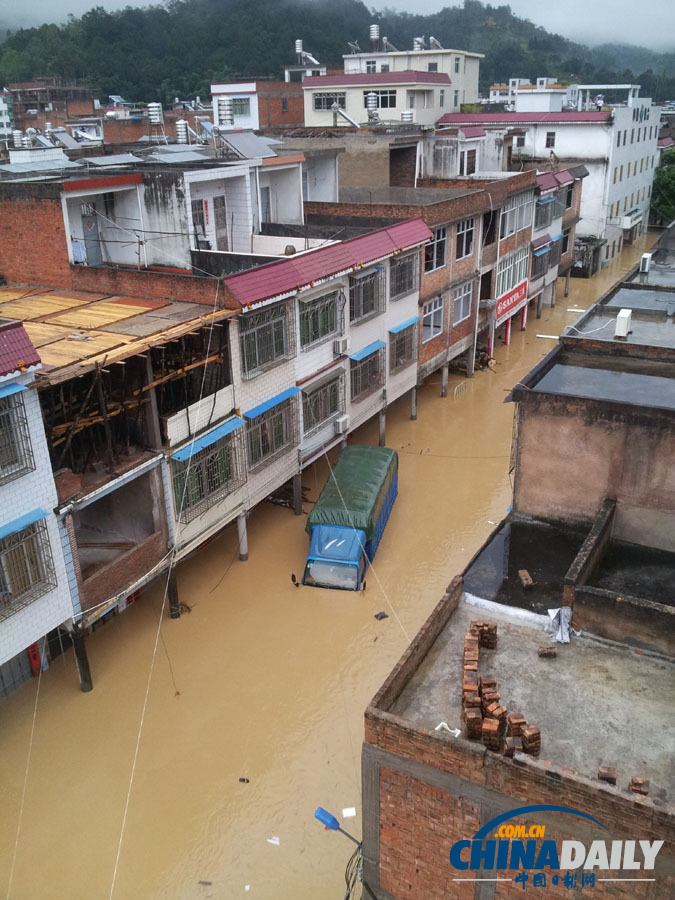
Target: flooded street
[{"x": 260, "y": 681}]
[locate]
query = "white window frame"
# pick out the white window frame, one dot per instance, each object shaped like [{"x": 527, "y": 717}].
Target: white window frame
[
  {"x": 464, "y": 238},
  {"x": 462, "y": 302},
  {"x": 436, "y": 251},
  {"x": 512, "y": 270},
  {"x": 324, "y": 100},
  {"x": 432, "y": 319},
  {"x": 241, "y": 106},
  {"x": 386, "y": 99},
  {"x": 516, "y": 214},
  {"x": 312, "y": 312}
]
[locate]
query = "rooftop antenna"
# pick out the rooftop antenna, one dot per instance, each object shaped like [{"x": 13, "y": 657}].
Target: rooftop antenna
[
  {"x": 434, "y": 43},
  {"x": 354, "y": 47}
]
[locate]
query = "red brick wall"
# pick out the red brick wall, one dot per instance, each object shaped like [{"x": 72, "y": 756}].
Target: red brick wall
[
  {"x": 33, "y": 247},
  {"x": 150, "y": 284},
  {"x": 270, "y": 106},
  {"x": 121, "y": 574}
]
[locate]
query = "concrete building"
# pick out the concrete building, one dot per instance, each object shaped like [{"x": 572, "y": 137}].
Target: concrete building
[
  {"x": 258, "y": 104},
  {"x": 590, "y": 535},
  {"x": 618, "y": 147},
  {"x": 6, "y": 116},
  {"x": 35, "y": 595},
  {"x": 461, "y": 66},
  {"x": 48, "y": 99}
]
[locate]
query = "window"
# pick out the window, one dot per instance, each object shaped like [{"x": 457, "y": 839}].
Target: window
[
  {"x": 271, "y": 433},
  {"x": 366, "y": 295},
  {"x": 265, "y": 339},
  {"x": 618, "y": 139},
  {"x": 321, "y": 402},
  {"x": 441, "y": 98},
  {"x": 489, "y": 227},
  {"x": 371, "y": 66},
  {"x": 550, "y": 139},
  {"x": 198, "y": 217},
  {"x": 462, "y": 303},
  {"x": 512, "y": 270},
  {"x": 26, "y": 567},
  {"x": 516, "y": 214},
  {"x": 566, "y": 243},
  {"x": 384, "y": 67},
  {"x": 325, "y": 100},
  {"x": 540, "y": 262},
  {"x": 434, "y": 251},
  {"x": 520, "y": 140},
  {"x": 321, "y": 318},
  {"x": 464, "y": 239},
  {"x": 556, "y": 248},
  {"x": 432, "y": 319},
  {"x": 543, "y": 213},
  {"x": 467, "y": 162},
  {"x": 16, "y": 455},
  {"x": 284, "y": 104},
  {"x": 385, "y": 99},
  {"x": 456, "y": 64},
  {"x": 432, "y": 67},
  {"x": 625, "y": 133},
  {"x": 455, "y": 101},
  {"x": 109, "y": 205},
  {"x": 403, "y": 275},
  {"x": 209, "y": 475},
  {"x": 241, "y": 106},
  {"x": 402, "y": 349},
  {"x": 367, "y": 375},
  {"x": 569, "y": 197},
  {"x": 632, "y": 135}
]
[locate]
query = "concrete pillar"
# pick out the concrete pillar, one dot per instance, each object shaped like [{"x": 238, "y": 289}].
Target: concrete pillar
[
  {"x": 507, "y": 331},
  {"x": 153, "y": 430},
  {"x": 444, "y": 380},
  {"x": 413, "y": 403},
  {"x": 491, "y": 339},
  {"x": 540, "y": 299},
  {"x": 172, "y": 593},
  {"x": 382, "y": 420},
  {"x": 297, "y": 494},
  {"x": 567, "y": 287},
  {"x": 81, "y": 660},
  {"x": 523, "y": 318},
  {"x": 471, "y": 361},
  {"x": 243, "y": 537}
]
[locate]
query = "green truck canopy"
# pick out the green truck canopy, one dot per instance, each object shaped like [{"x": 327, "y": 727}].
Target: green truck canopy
[{"x": 355, "y": 490}]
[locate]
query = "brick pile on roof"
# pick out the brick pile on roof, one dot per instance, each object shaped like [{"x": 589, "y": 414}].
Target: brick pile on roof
[
  {"x": 287, "y": 276},
  {"x": 17, "y": 353}
]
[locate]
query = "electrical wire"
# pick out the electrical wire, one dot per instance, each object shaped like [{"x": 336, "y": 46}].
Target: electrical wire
[{"x": 353, "y": 872}]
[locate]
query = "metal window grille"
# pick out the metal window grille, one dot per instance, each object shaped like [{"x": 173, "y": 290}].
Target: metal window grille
[
  {"x": 321, "y": 318},
  {"x": 464, "y": 238},
  {"x": 402, "y": 349},
  {"x": 403, "y": 275},
  {"x": 555, "y": 254},
  {"x": 540, "y": 264},
  {"x": 321, "y": 403},
  {"x": 367, "y": 375},
  {"x": 16, "y": 454},
  {"x": 266, "y": 339},
  {"x": 434, "y": 251},
  {"x": 462, "y": 303},
  {"x": 241, "y": 106},
  {"x": 367, "y": 295},
  {"x": 26, "y": 568},
  {"x": 271, "y": 433},
  {"x": 543, "y": 215},
  {"x": 211, "y": 474},
  {"x": 323, "y": 100}
]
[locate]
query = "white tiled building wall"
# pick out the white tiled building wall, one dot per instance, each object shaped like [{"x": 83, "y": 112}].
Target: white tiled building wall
[{"x": 33, "y": 490}]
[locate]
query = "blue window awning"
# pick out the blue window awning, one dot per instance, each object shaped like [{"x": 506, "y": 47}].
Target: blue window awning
[
  {"x": 557, "y": 237},
  {"x": 206, "y": 440},
  {"x": 268, "y": 404},
  {"x": 6, "y": 390},
  {"x": 402, "y": 327},
  {"x": 545, "y": 200},
  {"x": 367, "y": 351},
  {"x": 23, "y": 522},
  {"x": 542, "y": 251}
]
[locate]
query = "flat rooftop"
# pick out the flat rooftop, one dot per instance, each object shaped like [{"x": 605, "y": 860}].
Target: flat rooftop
[
  {"x": 651, "y": 327},
  {"x": 403, "y": 196},
  {"x": 594, "y": 703},
  {"x": 75, "y": 330},
  {"x": 644, "y": 298},
  {"x": 632, "y": 388}
]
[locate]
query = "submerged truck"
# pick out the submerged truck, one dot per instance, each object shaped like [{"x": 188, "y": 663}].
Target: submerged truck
[{"x": 348, "y": 520}]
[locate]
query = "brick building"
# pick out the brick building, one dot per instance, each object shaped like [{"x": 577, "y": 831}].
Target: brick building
[
  {"x": 48, "y": 99},
  {"x": 582, "y": 734},
  {"x": 258, "y": 104}
]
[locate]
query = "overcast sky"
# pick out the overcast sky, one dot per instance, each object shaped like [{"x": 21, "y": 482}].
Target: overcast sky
[{"x": 650, "y": 23}]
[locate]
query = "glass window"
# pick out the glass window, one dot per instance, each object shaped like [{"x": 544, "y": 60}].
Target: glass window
[
  {"x": 441, "y": 98},
  {"x": 512, "y": 270},
  {"x": 457, "y": 64},
  {"x": 321, "y": 403},
  {"x": 462, "y": 303},
  {"x": 367, "y": 375},
  {"x": 26, "y": 567},
  {"x": 432, "y": 319},
  {"x": 321, "y": 318},
  {"x": 516, "y": 214},
  {"x": 456, "y": 98},
  {"x": 540, "y": 263},
  {"x": 385, "y": 99},
  {"x": 543, "y": 214},
  {"x": 241, "y": 106},
  {"x": 265, "y": 339},
  {"x": 467, "y": 162},
  {"x": 464, "y": 239},
  {"x": 271, "y": 433},
  {"x": 432, "y": 67},
  {"x": 402, "y": 349},
  {"x": 16, "y": 455},
  {"x": 434, "y": 251},
  {"x": 366, "y": 295},
  {"x": 324, "y": 100},
  {"x": 371, "y": 65},
  {"x": 550, "y": 138},
  {"x": 403, "y": 275}
]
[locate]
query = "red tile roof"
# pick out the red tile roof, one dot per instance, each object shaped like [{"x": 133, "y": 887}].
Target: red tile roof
[
  {"x": 407, "y": 77},
  {"x": 289, "y": 275},
  {"x": 549, "y": 181},
  {"x": 665, "y": 142},
  {"x": 473, "y": 131},
  {"x": 541, "y": 241},
  {"x": 506, "y": 118},
  {"x": 17, "y": 353}
]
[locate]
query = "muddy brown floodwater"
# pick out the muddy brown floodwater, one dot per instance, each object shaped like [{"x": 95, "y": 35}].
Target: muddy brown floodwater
[{"x": 260, "y": 681}]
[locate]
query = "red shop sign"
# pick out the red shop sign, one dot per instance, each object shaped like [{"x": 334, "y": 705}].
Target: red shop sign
[{"x": 509, "y": 301}]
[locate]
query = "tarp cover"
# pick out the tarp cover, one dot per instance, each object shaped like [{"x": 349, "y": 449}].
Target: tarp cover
[{"x": 355, "y": 491}]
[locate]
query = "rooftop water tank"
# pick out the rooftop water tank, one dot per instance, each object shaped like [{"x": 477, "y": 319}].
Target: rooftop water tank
[
  {"x": 181, "y": 131},
  {"x": 407, "y": 115},
  {"x": 375, "y": 33},
  {"x": 155, "y": 114},
  {"x": 225, "y": 114}
]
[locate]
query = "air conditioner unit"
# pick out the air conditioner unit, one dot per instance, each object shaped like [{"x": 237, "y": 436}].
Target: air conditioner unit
[
  {"x": 645, "y": 261},
  {"x": 622, "y": 328},
  {"x": 341, "y": 346},
  {"x": 342, "y": 423}
]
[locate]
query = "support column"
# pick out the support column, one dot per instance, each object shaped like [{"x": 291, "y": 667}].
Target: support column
[
  {"x": 172, "y": 593},
  {"x": 540, "y": 300},
  {"x": 382, "y": 417},
  {"x": 153, "y": 430},
  {"x": 444, "y": 380},
  {"x": 491, "y": 339},
  {"x": 81, "y": 660},
  {"x": 243, "y": 537},
  {"x": 523, "y": 318},
  {"x": 507, "y": 331},
  {"x": 413, "y": 403},
  {"x": 567, "y": 287},
  {"x": 297, "y": 494}
]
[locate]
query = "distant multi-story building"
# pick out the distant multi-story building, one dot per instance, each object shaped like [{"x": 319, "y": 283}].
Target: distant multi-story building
[
  {"x": 257, "y": 104},
  {"x": 6, "y": 116}
]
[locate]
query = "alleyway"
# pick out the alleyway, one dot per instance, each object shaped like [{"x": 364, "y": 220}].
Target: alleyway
[{"x": 259, "y": 681}]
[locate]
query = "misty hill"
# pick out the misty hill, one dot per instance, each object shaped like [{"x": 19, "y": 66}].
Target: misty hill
[{"x": 159, "y": 52}]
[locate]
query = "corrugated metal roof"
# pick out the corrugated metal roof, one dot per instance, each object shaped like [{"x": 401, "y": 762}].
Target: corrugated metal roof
[
  {"x": 541, "y": 241},
  {"x": 533, "y": 118},
  {"x": 17, "y": 353},
  {"x": 62, "y": 136},
  {"x": 114, "y": 159},
  {"x": 289, "y": 275},
  {"x": 186, "y": 156},
  {"x": 51, "y": 165},
  {"x": 272, "y": 402},
  {"x": 407, "y": 77},
  {"x": 473, "y": 131},
  {"x": 550, "y": 181},
  {"x": 665, "y": 142},
  {"x": 247, "y": 144}
]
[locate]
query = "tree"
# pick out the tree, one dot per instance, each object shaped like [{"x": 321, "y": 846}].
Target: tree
[{"x": 663, "y": 190}]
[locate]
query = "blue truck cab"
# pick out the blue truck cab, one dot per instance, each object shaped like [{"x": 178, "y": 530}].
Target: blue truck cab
[{"x": 349, "y": 518}]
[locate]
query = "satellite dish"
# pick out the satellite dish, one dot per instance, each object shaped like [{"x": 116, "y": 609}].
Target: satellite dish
[{"x": 354, "y": 47}]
